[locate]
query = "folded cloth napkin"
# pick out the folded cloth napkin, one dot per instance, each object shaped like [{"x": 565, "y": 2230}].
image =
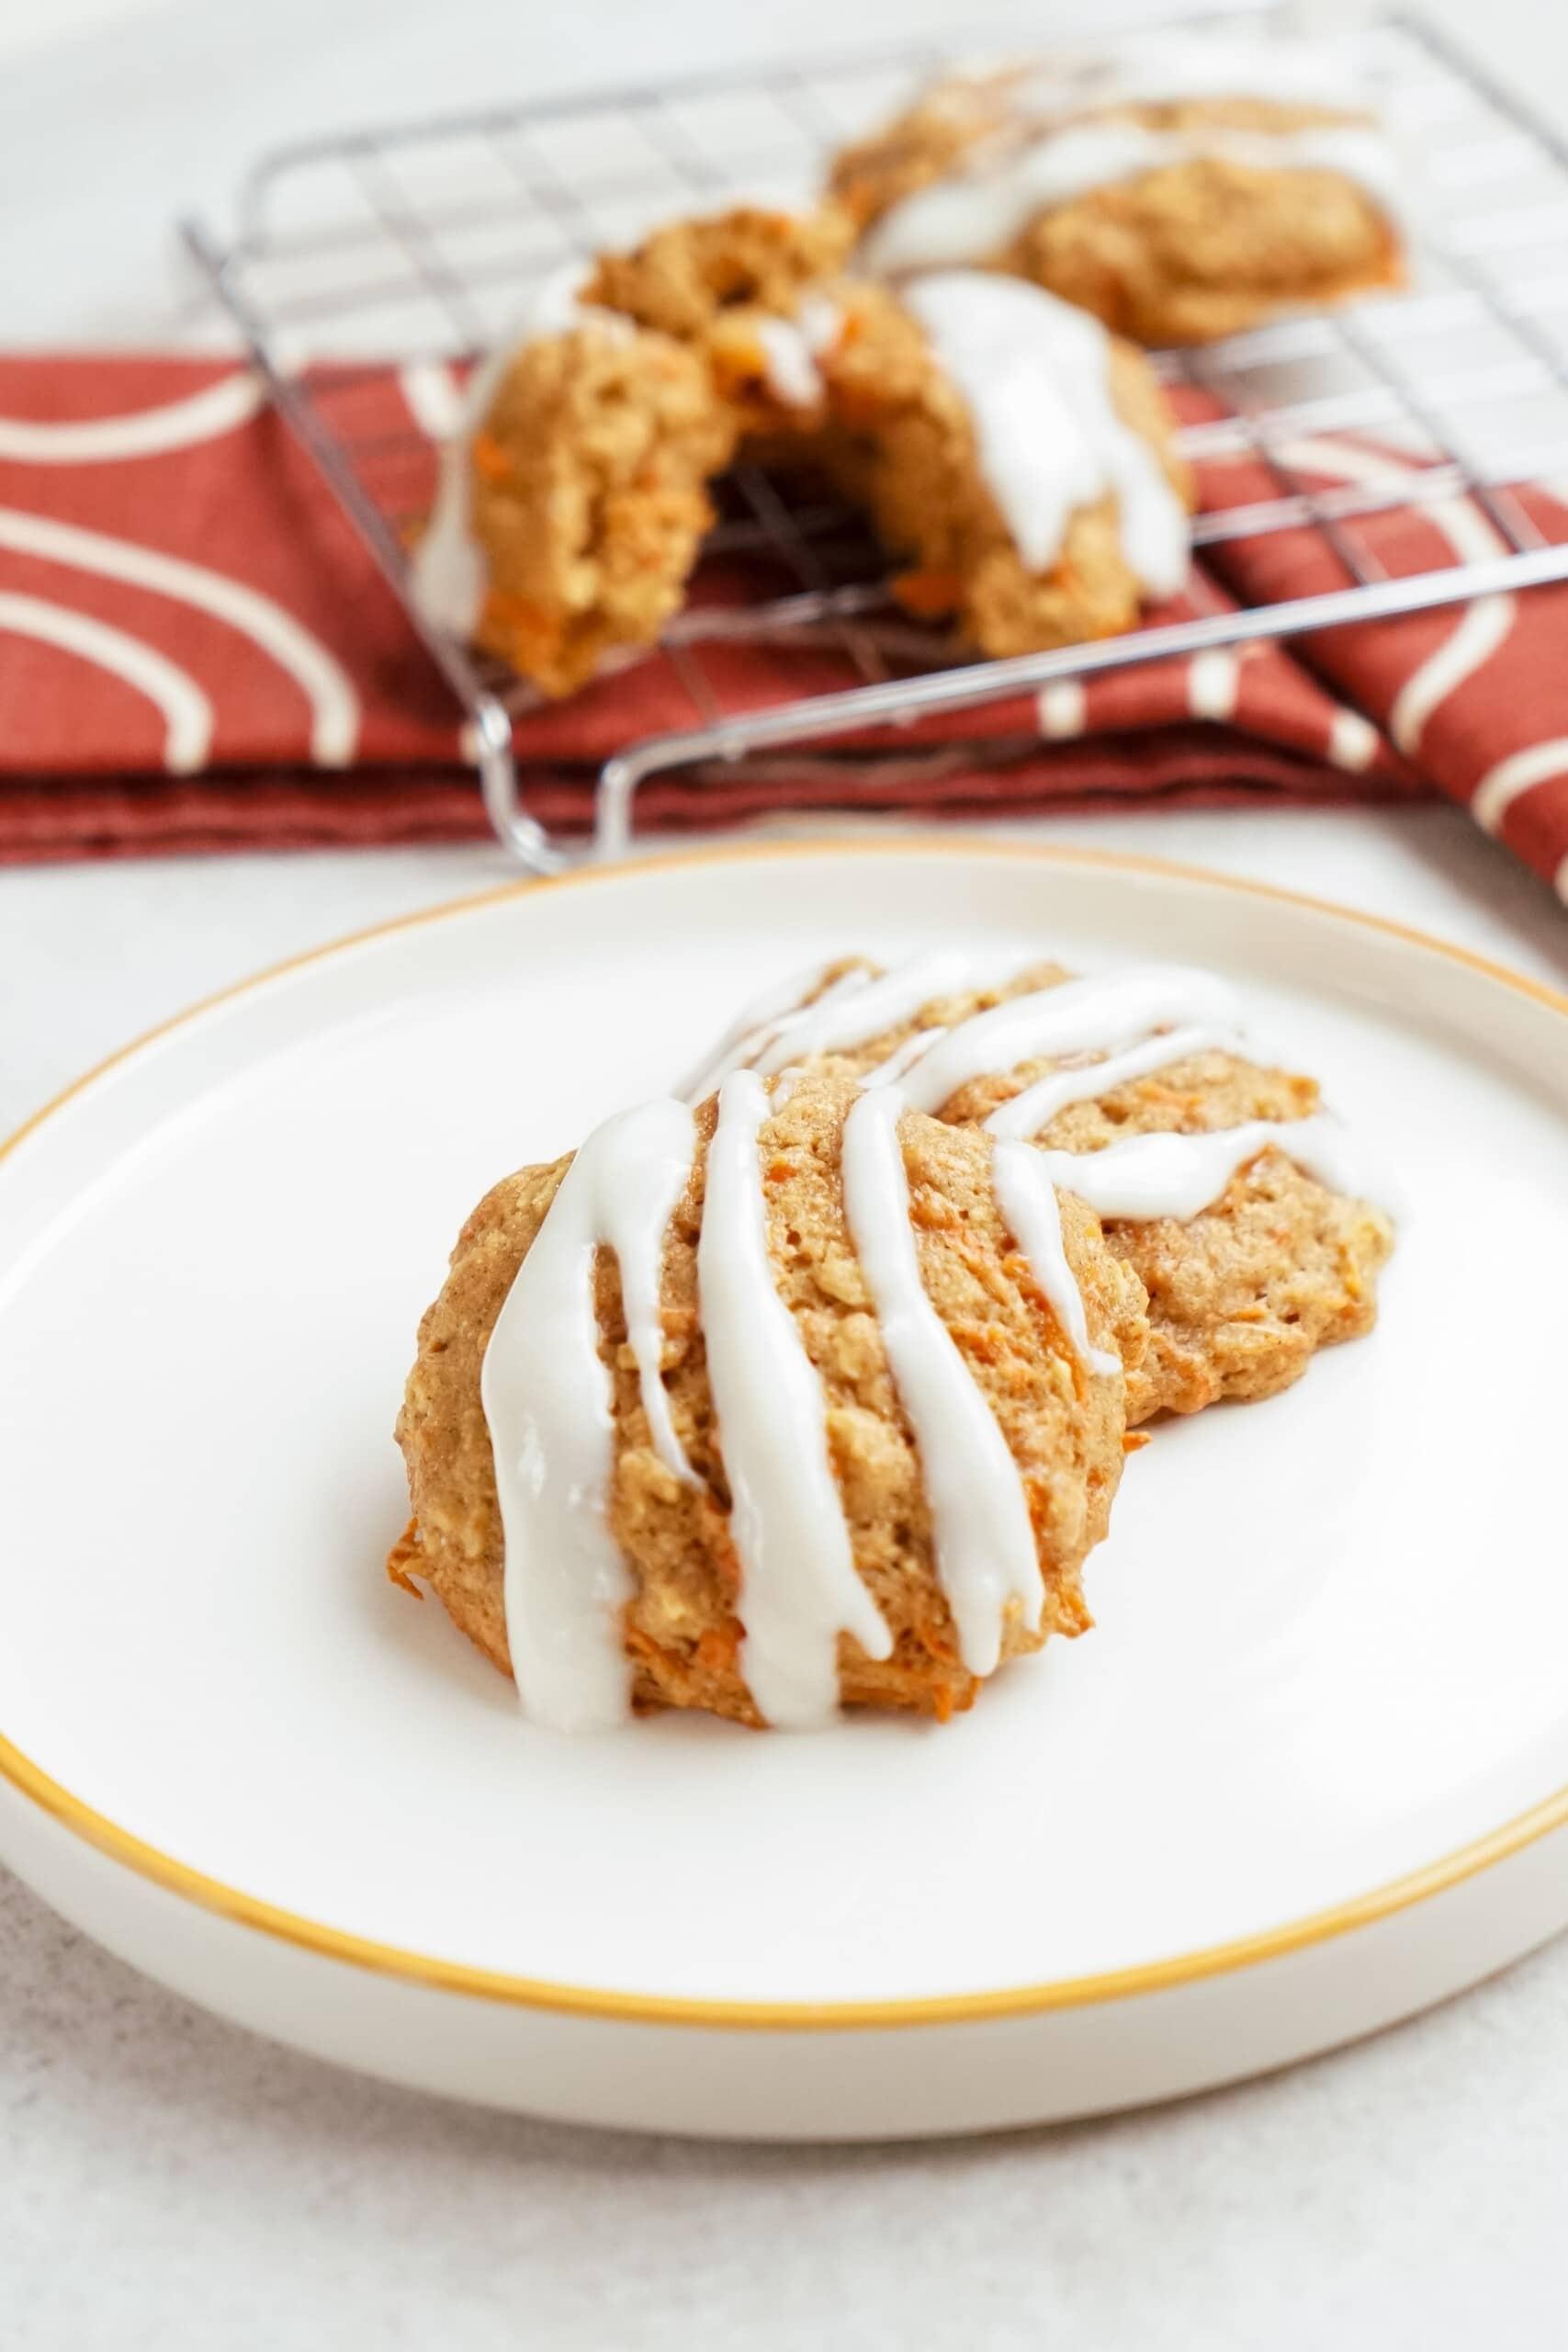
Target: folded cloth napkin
[{"x": 196, "y": 653}]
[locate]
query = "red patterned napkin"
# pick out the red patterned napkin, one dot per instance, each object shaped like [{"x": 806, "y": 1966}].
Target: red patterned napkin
[{"x": 195, "y": 653}]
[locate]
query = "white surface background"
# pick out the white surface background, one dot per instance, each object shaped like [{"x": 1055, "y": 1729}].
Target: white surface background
[{"x": 164, "y": 2180}]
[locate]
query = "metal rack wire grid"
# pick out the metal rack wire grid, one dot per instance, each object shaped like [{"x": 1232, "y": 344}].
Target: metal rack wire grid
[{"x": 420, "y": 241}]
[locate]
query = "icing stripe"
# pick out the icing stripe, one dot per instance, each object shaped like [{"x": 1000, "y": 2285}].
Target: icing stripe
[
  {"x": 799, "y": 1587},
  {"x": 1180, "y": 1176},
  {"x": 969, "y": 218},
  {"x": 982, "y": 1538},
  {"x": 1092, "y": 1015},
  {"x": 1034, "y": 375},
  {"x": 547, "y": 1402},
  {"x": 767, "y": 1020},
  {"x": 1027, "y": 1199},
  {"x": 857, "y": 1007},
  {"x": 1031, "y": 1112}
]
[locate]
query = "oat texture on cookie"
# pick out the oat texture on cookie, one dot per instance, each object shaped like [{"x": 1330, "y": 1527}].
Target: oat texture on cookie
[
  {"x": 1241, "y": 1206},
  {"x": 831, "y": 1411},
  {"x": 1183, "y": 189},
  {"x": 1018, "y": 464}
]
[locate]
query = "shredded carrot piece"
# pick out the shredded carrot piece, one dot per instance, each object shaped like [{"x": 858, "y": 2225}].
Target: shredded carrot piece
[
  {"x": 928, "y": 596},
  {"x": 740, "y": 366},
  {"x": 932, "y": 1214},
  {"x": 407, "y": 1549},
  {"x": 490, "y": 459},
  {"x": 716, "y": 1649}
]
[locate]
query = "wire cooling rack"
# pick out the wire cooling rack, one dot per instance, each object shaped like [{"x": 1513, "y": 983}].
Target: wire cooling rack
[{"x": 419, "y": 241}]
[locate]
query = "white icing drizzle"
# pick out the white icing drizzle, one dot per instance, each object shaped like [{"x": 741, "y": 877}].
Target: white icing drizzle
[
  {"x": 1049, "y": 148},
  {"x": 448, "y": 572},
  {"x": 1031, "y": 1112},
  {"x": 983, "y": 1541},
  {"x": 903, "y": 1057},
  {"x": 1109, "y": 1028},
  {"x": 969, "y": 218},
  {"x": 835, "y": 1023},
  {"x": 743, "y": 1044},
  {"x": 792, "y": 373},
  {"x": 1095, "y": 1015},
  {"x": 1034, "y": 375},
  {"x": 1027, "y": 1199},
  {"x": 858, "y": 1005},
  {"x": 791, "y": 348},
  {"x": 547, "y": 1398},
  {"x": 1180, "y": 1176},
  {"x": 1161, "y": 69},
  {"x": 547, "y": 1394},
  {"x": 799, "y": 1588},
  {"x": 763, "y": 1011},
  {"x": 820, "y": 319}
]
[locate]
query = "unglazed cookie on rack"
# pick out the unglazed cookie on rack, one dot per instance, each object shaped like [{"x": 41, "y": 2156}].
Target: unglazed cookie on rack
[
  {"x": 797, "y": 1399},
  {"x": 1237, "y": 1202},
  {"x": 1186, "y": 190},
  {"x": 572, "y": 505}
]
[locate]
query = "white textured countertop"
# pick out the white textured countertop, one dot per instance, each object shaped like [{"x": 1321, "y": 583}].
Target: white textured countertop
[{"x": 166, "y": 2182}]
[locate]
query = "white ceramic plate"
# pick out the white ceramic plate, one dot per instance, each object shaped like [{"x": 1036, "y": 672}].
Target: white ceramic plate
[{"x": 1310, "y": 1772}]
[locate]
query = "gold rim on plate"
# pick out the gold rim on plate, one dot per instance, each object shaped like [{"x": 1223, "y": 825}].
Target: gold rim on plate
[{"x": 120, "y": 1845}]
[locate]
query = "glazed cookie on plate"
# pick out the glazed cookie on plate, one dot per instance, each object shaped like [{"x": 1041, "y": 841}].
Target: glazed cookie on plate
[
  {"x": 1220, "y": 1182},
  {"x": 799, "y": 1398},
  {"x": 1186, "y": 190}
]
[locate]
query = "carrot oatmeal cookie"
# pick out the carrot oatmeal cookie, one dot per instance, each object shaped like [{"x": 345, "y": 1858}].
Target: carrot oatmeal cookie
[
  {"x": 1014, "y": 458},
  {"x": 798, "y": 1398},
  {"x": 573, "y": 503},
  {"x": 1220, "y": 1180},
  {"x": 1189, "y": 189},
  {"x": 1018, "y": 461},
  {"x": 751, "y": 289}
]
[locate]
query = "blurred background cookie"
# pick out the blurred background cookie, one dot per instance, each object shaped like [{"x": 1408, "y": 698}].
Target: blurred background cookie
[{"x": 1182, "y": 191}]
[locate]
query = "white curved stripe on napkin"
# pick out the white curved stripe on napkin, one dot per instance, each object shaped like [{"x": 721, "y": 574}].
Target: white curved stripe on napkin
[
  {"x": 1503, "y": 785},
  {"x": 1064, "y": 709},
  {"x": 188, "y": 714},
  {"x": 75, "y": 441},
  {"x": 1481, "y": 626},
  {"x": 1214, "y": 682},
  {"x": 334, "y": 706},
  {"x": 1352, "y": 740}
]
